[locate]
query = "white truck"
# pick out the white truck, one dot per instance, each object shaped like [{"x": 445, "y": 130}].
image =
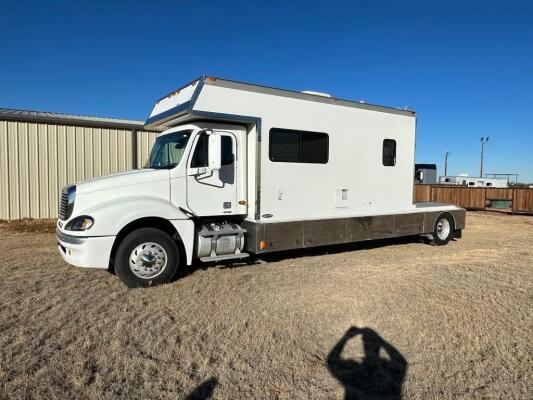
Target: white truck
[{"x": 243, "y": 169}]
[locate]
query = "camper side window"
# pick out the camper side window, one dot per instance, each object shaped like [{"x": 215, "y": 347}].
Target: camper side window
[
  {"x": 389, "y": 152},
  {"x": 298, "y": 146}
]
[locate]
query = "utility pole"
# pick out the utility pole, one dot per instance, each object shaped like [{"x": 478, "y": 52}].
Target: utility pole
[
  {"x": 483, "y": 141},
  {"x": 446, "y": 162}
]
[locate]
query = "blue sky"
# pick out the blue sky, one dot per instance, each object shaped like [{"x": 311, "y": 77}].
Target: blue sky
[{"x": 465, "y": 67}]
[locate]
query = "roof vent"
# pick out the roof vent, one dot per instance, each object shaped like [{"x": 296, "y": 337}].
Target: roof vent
[{"x": 316, "y": 93}]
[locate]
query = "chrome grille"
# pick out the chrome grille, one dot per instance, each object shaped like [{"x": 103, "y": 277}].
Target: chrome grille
[
  {"x": 66, "y": 202},
  {"x": 63, "y": 205}
]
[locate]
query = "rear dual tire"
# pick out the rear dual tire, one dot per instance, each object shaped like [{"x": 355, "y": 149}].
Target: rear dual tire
[{"x": 147, "y": 257}]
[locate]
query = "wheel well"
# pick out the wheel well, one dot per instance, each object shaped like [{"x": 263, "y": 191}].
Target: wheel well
[
  {"x": 148, "y": 222},
  {"x": 451, "y": 217}
]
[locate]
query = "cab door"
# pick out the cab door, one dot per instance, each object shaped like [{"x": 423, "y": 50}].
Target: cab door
[{"x": 213, "y": 192}]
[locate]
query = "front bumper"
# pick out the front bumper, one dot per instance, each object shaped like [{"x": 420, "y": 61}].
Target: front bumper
[{"x": 85, "y": 251}]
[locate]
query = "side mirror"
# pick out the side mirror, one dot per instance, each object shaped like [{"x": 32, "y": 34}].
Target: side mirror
[{"x": 215, "y": 151}]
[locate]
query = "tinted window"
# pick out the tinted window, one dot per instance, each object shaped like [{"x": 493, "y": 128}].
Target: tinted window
[
  {"x": 389, "y": 152},
  {"x": 298, "y": 146},
  {"x": 227, "y": 150},
  {"x": 200, "y": 157}
]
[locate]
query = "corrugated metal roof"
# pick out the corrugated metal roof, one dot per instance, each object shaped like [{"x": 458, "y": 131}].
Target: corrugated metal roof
[{"x": 67, "y": 119}]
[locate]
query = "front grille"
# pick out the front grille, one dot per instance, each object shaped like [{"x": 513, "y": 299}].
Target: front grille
[
  {"x": 63, "y": 205},
  {"x": 66, "y": 202}
]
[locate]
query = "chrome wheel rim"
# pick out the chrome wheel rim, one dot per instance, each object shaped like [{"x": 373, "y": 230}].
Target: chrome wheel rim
[
  {"x": 443, "y": 228},
  {"x": 148, "y": 260}
]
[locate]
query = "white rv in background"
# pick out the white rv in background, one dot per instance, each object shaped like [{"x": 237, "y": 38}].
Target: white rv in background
[
  {"x": 473, "y": 181},
  {"x": 243, "y": 169}
]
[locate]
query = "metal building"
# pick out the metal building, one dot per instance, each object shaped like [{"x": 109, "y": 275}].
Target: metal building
[{"x": 41, "y": 152}]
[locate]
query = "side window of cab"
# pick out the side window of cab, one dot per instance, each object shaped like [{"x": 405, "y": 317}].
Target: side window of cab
[{"x": 200, "y": 156}]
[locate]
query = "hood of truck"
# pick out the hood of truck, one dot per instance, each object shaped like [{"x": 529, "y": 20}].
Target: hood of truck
[{"x": 122, "y": 179}]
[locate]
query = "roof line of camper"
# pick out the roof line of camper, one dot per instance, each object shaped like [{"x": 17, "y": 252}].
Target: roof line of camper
[
  {"x": 212, "y": 80},
  {"x": 311, "y": 97}
]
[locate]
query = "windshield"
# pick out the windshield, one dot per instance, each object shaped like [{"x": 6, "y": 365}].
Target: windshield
[{"x": 168, "y": 150}]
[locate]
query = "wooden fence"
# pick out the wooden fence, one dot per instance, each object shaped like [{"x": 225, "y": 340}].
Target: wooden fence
[{"x": 476, "y": 198}]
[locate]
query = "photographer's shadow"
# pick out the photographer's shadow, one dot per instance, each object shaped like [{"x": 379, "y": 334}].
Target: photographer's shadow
[
  {"x": 376, "y": 376},
  {"x": 204, "y": 391}
]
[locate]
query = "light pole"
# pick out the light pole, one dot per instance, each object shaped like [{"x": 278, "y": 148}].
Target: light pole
[
  {"x": 446, "y": 162},
  {"x": 483, "y": 141}
]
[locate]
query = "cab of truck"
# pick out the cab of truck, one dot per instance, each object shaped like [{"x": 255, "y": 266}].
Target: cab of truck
[{"x": 144, "y": 223}]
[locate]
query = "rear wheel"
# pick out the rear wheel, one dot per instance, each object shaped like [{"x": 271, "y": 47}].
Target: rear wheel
[
  {"x": 147, "y": 257},
  {"x": 443, "y": 230}
]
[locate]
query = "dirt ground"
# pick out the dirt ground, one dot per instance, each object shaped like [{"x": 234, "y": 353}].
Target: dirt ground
[{"x": 393, "y": 319}]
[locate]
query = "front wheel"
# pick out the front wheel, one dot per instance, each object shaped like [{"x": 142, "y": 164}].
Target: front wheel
[
  {"x": 147, "y": 257},
  {"x": 443, "y": 230}
]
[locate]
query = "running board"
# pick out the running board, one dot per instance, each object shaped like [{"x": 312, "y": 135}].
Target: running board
[{"x": 224, "y": 257}]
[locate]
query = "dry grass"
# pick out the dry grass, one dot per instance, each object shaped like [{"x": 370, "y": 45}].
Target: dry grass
[
  {"x": 29, "y": 225},
  {"x": 459, "y": 315}
]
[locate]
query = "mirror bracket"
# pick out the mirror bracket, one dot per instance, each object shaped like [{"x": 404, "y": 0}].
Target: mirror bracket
[{"x": 215, "y": 151}]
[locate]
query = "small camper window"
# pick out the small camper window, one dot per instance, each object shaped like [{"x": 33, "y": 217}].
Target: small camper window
[
  {"x": 389, "y": 152},
  {"x": 298, "y": 146}
]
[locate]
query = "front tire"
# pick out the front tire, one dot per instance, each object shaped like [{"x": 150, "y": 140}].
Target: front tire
[
  {"x": 443, "y": 230},
  {"x": 147, "y": 257}
]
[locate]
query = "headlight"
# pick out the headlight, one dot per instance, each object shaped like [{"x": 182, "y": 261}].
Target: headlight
[{"x": 82, "y": 223}]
